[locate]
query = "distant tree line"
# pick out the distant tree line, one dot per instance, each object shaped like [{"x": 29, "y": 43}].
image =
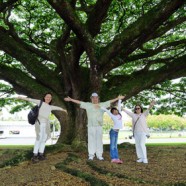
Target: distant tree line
[{"x": 156, "y": 122}]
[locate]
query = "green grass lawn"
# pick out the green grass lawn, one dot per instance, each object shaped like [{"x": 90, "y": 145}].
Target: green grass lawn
[{"x": 24, "y": 147}]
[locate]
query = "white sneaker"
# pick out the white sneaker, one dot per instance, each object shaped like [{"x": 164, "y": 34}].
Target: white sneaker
[
  {"x": 90, "y": 158},
  {"x": 145, "y": 161},
  {"x": 139, "y": 160},
  {"x": 101, "y": 158}
]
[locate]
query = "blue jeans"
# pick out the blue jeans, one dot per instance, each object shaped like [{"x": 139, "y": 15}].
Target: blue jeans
[{"x": 113, "y": 144}]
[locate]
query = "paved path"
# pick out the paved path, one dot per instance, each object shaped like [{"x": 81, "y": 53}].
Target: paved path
[
  {"x": 31, "y": 141},
  {"x": 22, "y": 141},
  {"x": 150, "y": 141}
]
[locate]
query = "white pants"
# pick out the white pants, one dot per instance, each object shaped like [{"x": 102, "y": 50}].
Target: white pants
[
  {"x": 140, "y": 140},
  {"x": 40, "y": 143},
  {"x": 95, "y": 143}
]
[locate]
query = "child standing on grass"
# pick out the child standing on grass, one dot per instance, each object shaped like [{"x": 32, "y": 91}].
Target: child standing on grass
[{"x": 117, "y": 119}]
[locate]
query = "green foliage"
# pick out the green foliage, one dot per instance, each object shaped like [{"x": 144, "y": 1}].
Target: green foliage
[
  {"x": 107, "y": 123},
  {"x": 163, "y": 122},
  {"x": 54, "y": 121},
  {"x": 170, "y": 122},
  {"x": 43, "y": 25},
  {"x": 169, "y": 96},
  {"x": 17, "y": 157}
]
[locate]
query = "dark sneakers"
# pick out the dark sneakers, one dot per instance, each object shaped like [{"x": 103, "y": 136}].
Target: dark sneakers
[
  {"x": 35, "y": 159},
  {"x": 41, "y": 157}
]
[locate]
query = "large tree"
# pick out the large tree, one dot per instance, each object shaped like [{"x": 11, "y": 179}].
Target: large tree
[{"x": 75, "y": 47}]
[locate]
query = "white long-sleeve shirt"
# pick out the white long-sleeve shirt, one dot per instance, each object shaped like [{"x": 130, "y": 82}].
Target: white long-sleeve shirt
[
  {"x": 45, "y": 110},
  {"x": 44, "y": 113},
  {"x": 141, "y": 124},
  {"x": 117, "y": 119}
]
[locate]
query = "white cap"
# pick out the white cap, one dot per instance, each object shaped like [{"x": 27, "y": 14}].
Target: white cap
[{"x": 94, "y": 94}]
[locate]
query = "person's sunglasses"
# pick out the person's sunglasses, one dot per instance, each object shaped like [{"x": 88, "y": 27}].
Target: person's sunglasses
[{"x": 137, "y": 108}]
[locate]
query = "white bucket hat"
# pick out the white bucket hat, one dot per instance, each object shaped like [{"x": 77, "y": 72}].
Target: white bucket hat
[{"x": 94, "y": 94}]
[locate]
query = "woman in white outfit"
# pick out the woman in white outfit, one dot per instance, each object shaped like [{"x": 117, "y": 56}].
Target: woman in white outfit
[
  {"x": 42, "y": 127},
  {"x": 140, "y": 130}
]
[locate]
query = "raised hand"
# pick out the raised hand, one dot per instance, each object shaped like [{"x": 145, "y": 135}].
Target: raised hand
[
  {"x": 152, "y": 103},
  {"x": 67, "y": 99}
]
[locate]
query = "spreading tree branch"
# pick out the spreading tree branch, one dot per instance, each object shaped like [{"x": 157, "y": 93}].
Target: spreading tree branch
[
  {"x": 67, "y": 13},
  {"x": 166, "y": 27},
  {"x": 24, "y": 84},
  {"x": 29, "y": 60},
  {"x": 97, "y": 16},
  {"x": 120, "y": 60},
  {"x": 161, "y": 48},
  {"x": 135, "y": 35},
  {"x": 138, "y": 81},
  {"x": 14, "y": 34}
]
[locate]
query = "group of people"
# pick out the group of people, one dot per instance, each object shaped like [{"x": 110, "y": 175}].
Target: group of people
[{"x": 95, "y": 110}]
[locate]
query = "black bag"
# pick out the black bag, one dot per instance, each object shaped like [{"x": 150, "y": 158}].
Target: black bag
[{"x": 33, "y": 114}]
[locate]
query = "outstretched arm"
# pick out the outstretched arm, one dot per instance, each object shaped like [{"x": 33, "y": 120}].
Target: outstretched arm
[
  {"x": 152, "y": 103},
  {"x": 58, "y": 108},
  {"x": 37, "y": 101},
  {"x": 72, "y": 100},
  {"x": 116, "y": 99},
  {"x": 128, "y": 112},
  {"x": 107, "y": 111},
  {"x": 150, "y": 106},
  {"x": 23, "y": 98},
  {"x": 131, "y": 114}
]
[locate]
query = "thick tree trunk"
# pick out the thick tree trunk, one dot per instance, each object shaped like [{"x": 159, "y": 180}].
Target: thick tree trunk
[{"x": 74, "y": 127}]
